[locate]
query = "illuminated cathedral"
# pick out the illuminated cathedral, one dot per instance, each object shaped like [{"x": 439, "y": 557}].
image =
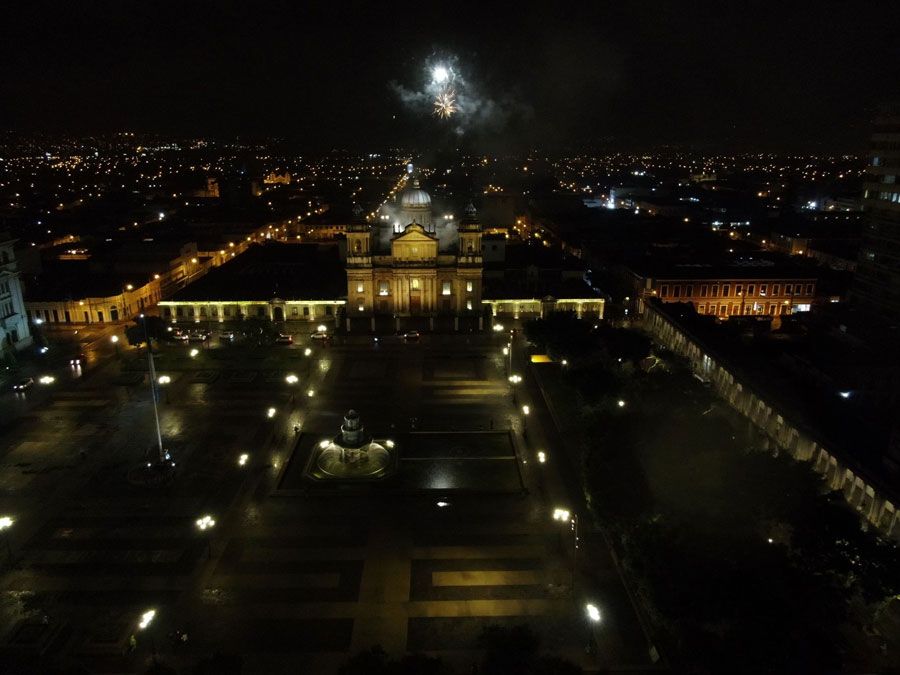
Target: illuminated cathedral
[{"x": 414, "y": 264}]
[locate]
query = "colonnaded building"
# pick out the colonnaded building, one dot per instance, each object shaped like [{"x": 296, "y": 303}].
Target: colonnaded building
[{"x": 406, "y": 270}]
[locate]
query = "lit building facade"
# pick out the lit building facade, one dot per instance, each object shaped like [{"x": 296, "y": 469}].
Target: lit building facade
[
  {"x": 14, "y": 333},
  {"x": 749, "y": 293},
  {"x": 428, "y": 274},
  {"x": 95, "y": 307},
  {"x": 414, "y": 277},
  {"x": 876, "y": 287}
]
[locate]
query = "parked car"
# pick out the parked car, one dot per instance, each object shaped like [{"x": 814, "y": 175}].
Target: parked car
[
  {"x": 24, "y": 384},
  {"x": 198, "y": 336},
  {"x": 78, "y": 360},
  {"x": 180, "y": 335},
  {"x": 283, "y": 339},
  {"x": 324, "y": 337},
  {"x": 411, "y": 336},
  {"x": 226, "y": 336}
]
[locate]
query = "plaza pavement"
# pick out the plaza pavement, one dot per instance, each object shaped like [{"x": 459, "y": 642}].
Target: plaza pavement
[{"x": 290, "y": 582}]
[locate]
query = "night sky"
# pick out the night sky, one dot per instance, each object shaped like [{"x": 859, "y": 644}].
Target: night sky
[{"x": 713, "y": 76}]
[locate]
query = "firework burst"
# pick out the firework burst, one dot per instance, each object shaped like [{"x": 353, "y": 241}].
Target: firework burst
[{"x": 445, "y": 103}]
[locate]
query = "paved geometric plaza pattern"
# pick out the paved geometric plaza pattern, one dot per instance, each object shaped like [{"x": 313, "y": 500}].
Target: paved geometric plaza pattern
[{"x": 292, "y": 578}]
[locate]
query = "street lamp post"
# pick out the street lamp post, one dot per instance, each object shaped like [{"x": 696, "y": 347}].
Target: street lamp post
[
  {"x": 205, "y": 524},
  {"x": 292, "y": 380},
  {"x": 593, "y": 618},
  {"x": 147, "y": 619},
  {"x": 115, "y": 340},
  {"x": 513, "y": 381},
  {"x": 163, "y": 381},
  {"x": 6, "y": 522},
  {"x": 525, "y": 412},
  {"x": 565, "y": 516},
  {"x": 154, "y": 392}
]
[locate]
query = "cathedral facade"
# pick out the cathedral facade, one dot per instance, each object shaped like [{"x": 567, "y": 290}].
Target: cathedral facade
[{"x": 406, "y": 269}]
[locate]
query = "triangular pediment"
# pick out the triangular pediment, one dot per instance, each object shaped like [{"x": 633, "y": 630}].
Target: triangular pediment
[{"x": 414, "y": 233}]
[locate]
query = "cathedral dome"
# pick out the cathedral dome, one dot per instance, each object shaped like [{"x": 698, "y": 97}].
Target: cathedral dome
[{"x": 415, "y": 197}]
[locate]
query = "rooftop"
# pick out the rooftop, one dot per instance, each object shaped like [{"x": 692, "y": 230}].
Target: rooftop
[
  {"x": 802, "y": 377},
  {"x": 75, "y": 279},
  {"x": 273, "y": 270},
  {"x": 738, "y": 267}
]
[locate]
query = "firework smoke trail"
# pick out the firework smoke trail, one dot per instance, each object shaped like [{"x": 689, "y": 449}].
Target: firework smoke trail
[{"x": 448, "y": 94}]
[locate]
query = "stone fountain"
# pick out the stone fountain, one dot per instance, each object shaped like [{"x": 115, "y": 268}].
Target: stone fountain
[{"x": 351, "y": 455}]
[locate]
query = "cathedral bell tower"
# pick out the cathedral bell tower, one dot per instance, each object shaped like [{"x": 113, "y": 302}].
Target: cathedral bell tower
[
  {"x": 360, "y": 292},
  {"x": 468, "y": 267},
  {"x": 470, "y": 237}
]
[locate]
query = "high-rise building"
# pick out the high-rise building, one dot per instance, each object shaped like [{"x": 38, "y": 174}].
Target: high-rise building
[
  {"x": 14, "y": 333},
  {"x": 876, "y": 288}
]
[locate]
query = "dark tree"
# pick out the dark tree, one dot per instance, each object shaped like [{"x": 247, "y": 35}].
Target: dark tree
[
  {"x": 375, "y": 661},
  {"x": 154, "y": 326},
  {"x": 259, "y": 331}
]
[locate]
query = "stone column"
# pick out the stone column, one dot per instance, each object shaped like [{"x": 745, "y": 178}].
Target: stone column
[
  {"x": 347, "y": 319},
  {"x": 372, "y": 322},
  {"x": 456, "y": 323}
]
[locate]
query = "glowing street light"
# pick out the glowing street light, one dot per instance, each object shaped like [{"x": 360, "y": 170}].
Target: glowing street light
[
  {"x": 307, "y": 352},
  {"x": 443, "y": 505},
  {"x": 243, "y": 459},
  {"x": 205, "y": 523},
  {"x": 321, "y": 328},
  {"x": 542, "y": 457},
  {"x": 621, "y": 403},
  {"x": 498, "y": 327},
  {"x": 311, "y": 392},
  {"x": 115, "y": 340},
  {"x": 292, "y": 379},
  {"x": 593, "y": 613},
  {"x": 525, "y": 412},
  {"x": 194, "y": 352},
  {"x": 270, "y": 413},
  {"x": 47, "y": 379},
  {"x": 147, "y": 618}
]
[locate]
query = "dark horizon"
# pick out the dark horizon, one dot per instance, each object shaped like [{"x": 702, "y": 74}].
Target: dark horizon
[{"x": 704, "y": 77}]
